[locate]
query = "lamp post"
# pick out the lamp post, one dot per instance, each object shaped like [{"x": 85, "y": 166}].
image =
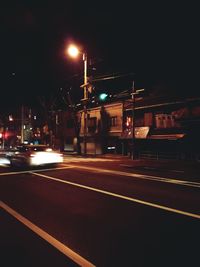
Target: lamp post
[
  {"x": 73, "y": 51},
  {"x": 85, "y": 104}
]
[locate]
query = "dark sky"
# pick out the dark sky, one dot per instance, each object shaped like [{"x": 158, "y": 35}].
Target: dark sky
[{"x": 158, "y": 41}]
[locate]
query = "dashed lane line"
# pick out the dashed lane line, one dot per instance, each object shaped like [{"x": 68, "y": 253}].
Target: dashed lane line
[{"x": 50, "y": 239}]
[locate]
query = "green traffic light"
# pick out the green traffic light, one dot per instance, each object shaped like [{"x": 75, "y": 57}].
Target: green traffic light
[{"x": 103, "y": 96}]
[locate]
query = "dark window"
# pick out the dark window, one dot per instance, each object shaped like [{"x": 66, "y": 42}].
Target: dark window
[{"x": 70, "y": 123}]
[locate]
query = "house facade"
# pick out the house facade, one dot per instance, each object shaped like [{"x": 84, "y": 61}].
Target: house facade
[
  {"x": 103, "y": 128},
  {"x": 164, "y": 127}
]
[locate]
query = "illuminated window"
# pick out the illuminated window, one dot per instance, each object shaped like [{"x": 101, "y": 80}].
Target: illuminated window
[
  {"x": 113, "y": 121},
  {"x": 128, "y": 122}
]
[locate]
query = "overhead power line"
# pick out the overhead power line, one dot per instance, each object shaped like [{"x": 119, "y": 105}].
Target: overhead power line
[{"x": 111, "y": 77}]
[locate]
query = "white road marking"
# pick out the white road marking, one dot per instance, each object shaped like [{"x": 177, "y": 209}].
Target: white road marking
[
  {"x": 193, "y": 215},
  {"x": 134, "y": 175},
  {"x": 141, "y": 176},
  {"x": 50, "y": 239},
  {"x": 71, "y": 159},
  {"x": 39, "y": 170}
]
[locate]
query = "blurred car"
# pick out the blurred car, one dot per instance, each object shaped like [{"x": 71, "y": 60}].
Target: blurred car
[{"x": 34, "y": 155}]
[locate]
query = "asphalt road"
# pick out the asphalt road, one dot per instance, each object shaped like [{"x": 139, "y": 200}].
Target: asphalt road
[{"x": 95, "y": 212}]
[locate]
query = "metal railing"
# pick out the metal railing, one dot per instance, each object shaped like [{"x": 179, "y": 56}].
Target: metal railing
[{"x": 158, "y": 155}]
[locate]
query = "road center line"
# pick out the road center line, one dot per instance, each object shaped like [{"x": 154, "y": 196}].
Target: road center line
[
  {"x": 193, "y": 215},
  {"x": 50, "y": 239}
]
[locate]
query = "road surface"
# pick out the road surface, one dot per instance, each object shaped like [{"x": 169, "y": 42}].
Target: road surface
[{"x": 95, "y": 212}]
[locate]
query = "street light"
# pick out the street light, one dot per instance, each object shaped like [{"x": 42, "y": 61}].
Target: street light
[{"x": 74, "y": 51}]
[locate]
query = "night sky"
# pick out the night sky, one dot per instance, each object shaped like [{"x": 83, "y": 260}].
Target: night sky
[{"x": 156, "y": 41}]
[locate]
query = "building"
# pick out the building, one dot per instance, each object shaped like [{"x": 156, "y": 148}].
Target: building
[
  {"x": 104, "y": 128},
  {"x": 164, "y": 127}
]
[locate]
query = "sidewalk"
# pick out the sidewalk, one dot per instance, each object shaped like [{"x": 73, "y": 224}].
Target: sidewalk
[
  {"x": 189, "y": 168},
  {"x": 185, "y": 166},
  {"x": 189, "y": 165}
]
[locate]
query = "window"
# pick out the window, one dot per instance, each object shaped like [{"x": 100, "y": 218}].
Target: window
[
  {"x": 70, "y": 123},
  {"x": 128, "y": 122},
  {"x": 148, "y": 119},
  {"x": 113, "y": 121}
]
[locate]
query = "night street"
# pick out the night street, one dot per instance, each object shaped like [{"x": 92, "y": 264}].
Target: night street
[
  {"x": 99, "y": 212},
  {"x": 99, "y": 134}
]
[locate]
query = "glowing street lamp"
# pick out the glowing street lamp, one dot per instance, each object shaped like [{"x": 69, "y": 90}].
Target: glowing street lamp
[{"x": 74, "y": 51}]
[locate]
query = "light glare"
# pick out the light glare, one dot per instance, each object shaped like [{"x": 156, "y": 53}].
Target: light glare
[{"x": 73, "y": 51}]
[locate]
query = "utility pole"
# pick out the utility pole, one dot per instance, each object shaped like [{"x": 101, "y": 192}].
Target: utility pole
[
  {"x": 133, "y": 96},
  {"x": 133, "y": 120},
  {"x": 22, "y": 124},
  {"x": 73, "y": 51}
]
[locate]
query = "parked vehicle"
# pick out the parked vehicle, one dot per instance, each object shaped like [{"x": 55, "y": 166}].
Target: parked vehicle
[{"x": 33, "y": 155}]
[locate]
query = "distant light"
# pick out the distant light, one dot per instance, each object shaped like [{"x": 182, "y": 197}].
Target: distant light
[
  {"x": 111, "y": 147},
  {"x": 10, "y": 118},
  {"x": 13, "y": 73}
]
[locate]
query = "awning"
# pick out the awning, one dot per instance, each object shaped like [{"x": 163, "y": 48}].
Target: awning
[
  {"x": 166, "y": 136},
  {"x": 140, "y": 133}
]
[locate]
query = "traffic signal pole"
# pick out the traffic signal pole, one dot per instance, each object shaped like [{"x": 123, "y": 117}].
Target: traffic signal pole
[{"x": 133, "y": 120}]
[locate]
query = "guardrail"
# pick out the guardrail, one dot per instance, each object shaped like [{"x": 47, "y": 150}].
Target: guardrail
[{"x": 158, "y": 155}]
